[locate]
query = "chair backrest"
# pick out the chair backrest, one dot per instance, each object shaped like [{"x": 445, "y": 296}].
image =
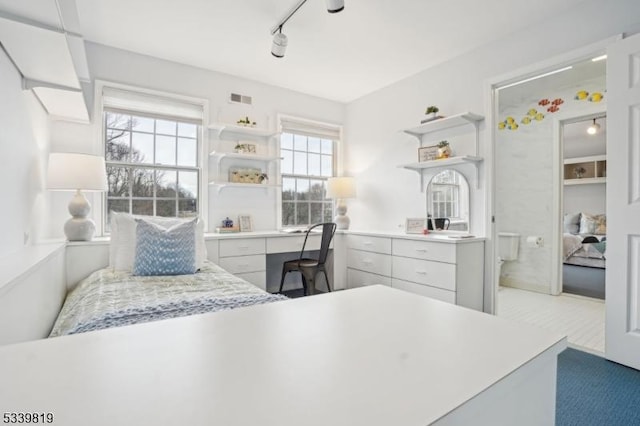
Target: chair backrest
[{"x": 328, "y": 229}]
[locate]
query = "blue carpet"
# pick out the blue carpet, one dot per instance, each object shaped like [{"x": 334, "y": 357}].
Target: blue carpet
[{"x": 594, "y": 391}]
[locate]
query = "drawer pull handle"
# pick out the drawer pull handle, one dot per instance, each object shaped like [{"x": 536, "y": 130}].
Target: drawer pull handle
[
  {"x": 367, "y": 243},
  {"x": 243, "y": 265},
  {"x": 421, "y": 272},
  {"x": 367, "y": 261},
  {"x": 421, "y": 250},
  {"x": 243, "y": 248}
]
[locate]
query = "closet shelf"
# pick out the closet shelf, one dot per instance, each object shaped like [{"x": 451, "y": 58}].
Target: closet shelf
[
  {"x": 237, "y": 156},
  {"x": 219, "y": 185},
  {"x": 445, "y": 162},
  {"x": 585, "y": 181},
  {"x": 445, "y": 124}
]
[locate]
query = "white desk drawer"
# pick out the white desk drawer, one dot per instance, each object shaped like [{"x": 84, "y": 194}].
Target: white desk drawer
[
  {"x": 375, "y": 244},
  {"x": 357, "y": 278},
  {"x": 241, "y": 247},
  {"x": 440, "y": 252},
  {"x": 243, "y": 264},
  {"x": 371, "y": 262},
  {"x": 435, "y": 274},
  {"x": 425, "y": 290},
  {"x": 293, "y": 244}
]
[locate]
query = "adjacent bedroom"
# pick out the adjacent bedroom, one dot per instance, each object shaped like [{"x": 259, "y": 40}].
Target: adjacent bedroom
[{"x": 318, "y": 212}]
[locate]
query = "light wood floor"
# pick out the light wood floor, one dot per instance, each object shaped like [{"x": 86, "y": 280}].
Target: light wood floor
[{"x": 580, "y": 318}]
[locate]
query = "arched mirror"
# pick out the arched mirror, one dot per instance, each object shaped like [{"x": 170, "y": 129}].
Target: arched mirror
[{"x": 448, "y": 201}]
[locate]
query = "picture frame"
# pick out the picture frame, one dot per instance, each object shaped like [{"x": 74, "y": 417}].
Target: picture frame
[
  {"x": 427, "y": 153},
  {"x": 245, "y": 222},
  {"x": 415, "y": 225}
]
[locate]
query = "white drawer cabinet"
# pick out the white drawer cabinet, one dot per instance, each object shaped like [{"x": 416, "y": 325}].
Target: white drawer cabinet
[
  {"x": 241, "y": 247},
  {"x": 243, "y": 264},
  {"x": 447, "y": 270},
  {"x": 293, "y": 244}
]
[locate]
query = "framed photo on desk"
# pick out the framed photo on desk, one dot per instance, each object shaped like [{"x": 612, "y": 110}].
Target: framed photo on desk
[{"x": 246, "y": 223}]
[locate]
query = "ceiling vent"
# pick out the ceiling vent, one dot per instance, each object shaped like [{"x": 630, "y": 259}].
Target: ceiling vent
[{"x": 240, "y": 99}]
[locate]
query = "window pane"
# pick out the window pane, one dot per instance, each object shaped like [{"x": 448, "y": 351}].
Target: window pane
[
  {"x": 144, "y": 207},
  {"x": 314, "y": 145},
  {"x": 302, "y": 189},
  {"x": 316, "y": 213},
  {"x": 314, "y": 164},
  {"x": 316, "y": 191},
  {"x": 287, "y": 161},
  {"x": 188, "y": 184},
  {"x": 187, "y": 208},
  {"x": 118, "y": 181},
  {"x": 117, "y": 121},
  {"x": 302, "y": 214},
  {"x": 166, "y": 183},
  {"x": 166, "y": 150},
  {"x": 117, "y": 206},
  {"x": 142, "y": 181},
  {"x": 142, "y": 124},
  {"x": 328, "y": 212},
  {"x": 288, "y": 214},
  {"x": 300, "y": 142},
  {"x": 300, "y": 163},
  {"x": 286, "y": 141},
  {"x": 142, "y": 148},
  {"x": 327, "y": 166},
  {"x": 187, "y": 152},
  {"x": 165, "y": 127},
  {"x": 327, "y": 146},
  {"x": 188, "y": 130},
  {"x": 166, "y": 208},
  {"x": 117, "y": 145},
  {"x": 288, "y": 188}
]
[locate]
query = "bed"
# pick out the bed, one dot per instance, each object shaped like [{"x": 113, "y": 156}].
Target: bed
[{"x": 584, "y": 265}]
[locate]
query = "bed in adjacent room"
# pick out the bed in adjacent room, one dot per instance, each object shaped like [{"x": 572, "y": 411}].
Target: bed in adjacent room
[{"x": 584, "y": 246}]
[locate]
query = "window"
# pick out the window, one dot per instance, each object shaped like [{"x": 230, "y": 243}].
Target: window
[
  {"x": 307, "y": 163},
  {"x": 152, "y": 164}
]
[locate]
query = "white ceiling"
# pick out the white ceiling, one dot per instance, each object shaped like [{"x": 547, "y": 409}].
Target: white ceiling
[{"x": 343, "y": 56}]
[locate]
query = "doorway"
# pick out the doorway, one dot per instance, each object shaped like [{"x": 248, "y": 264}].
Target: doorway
[{"x": 530, "y": 170}]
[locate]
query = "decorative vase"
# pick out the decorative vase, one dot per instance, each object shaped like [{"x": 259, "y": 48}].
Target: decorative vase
[{"x": 444, "y": 152}]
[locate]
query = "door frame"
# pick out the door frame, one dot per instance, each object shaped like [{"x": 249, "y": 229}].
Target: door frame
[
  {"x": 491, "y": 106},
  {"x": 595, "y": 111}
]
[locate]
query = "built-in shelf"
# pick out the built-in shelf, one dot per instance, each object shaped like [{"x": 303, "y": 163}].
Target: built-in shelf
[
  {"x": 445, "y": 162},
  {"x": 257, "y": 132},
  {"x": 219, "y": 156},
  {"x": 593, "y": 170},
  {"x": 219, "y": 185},
  {"x": 445, "y": 124}
]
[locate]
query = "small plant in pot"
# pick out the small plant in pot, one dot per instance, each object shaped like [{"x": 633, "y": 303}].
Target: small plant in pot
[
  {"x": 444, "y": 150},
  {"x": 432, "y": 111}
]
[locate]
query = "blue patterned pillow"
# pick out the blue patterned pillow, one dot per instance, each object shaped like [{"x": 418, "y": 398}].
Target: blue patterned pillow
[{"x": 161, "y": 251}]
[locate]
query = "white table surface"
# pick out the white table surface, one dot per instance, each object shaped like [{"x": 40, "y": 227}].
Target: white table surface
[{"x": 369, "y": 356}]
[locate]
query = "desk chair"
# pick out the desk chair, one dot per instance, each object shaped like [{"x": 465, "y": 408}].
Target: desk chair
[{"x": 307, "y": 267}]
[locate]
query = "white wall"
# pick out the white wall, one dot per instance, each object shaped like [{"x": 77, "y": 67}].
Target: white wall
[
  {"x": 124, "y": 67},
  {"x": 24, "y": 145},
  {"x": 375, "y": 146}
]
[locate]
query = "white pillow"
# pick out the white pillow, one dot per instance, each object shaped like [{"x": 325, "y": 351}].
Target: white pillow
[{"x": 122, "y": 251}]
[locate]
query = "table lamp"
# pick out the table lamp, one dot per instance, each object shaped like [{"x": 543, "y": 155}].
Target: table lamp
[
  {"x": 341, "y": 188},
  {"x": 69, "y": 171}
]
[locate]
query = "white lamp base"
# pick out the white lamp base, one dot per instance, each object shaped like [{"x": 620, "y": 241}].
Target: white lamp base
[
  {"x": 79, "y": 227},
  {"x": 342, "y": 220}
]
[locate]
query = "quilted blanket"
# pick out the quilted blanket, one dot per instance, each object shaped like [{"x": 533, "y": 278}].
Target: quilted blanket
[{"x": 110, "y": 298}]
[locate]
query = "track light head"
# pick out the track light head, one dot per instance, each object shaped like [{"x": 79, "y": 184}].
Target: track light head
[
  {"x": 335, "y": 6},
  {"x": 594, "y": 128},
  {"x": 279, "y": 46}
]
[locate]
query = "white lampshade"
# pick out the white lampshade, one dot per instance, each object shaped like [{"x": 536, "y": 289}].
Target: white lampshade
[
  {"x": 70, "y": 171},
  {"x": 341, "y": 187}
]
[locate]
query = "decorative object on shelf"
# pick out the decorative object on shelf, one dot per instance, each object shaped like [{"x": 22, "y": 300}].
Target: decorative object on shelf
[
  {"x": 416, "y": 225},
  {"x": 245, "y": 148},
  {"x": 227, "y": 223},
  {"x": 428, "y": 153},
  {"x": 341, "y": 188},
  {"x": 246, "y": 122},
  {"x": 69, "y": 171},
  {"x": 444, "y": 150},
  {"x": 431, "y": 114},
  {"x": 246, "y": 175},
  {"x": 263, "y": 178},
  {"x": 227, "y": 230},
  {"x": 246, "y": 223},
  {"x": 579, "y": 172}
]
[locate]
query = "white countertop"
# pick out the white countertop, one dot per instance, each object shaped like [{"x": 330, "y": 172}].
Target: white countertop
[
  {"x": 370, "y": 356},
  {"x": 440, "y": 236}
]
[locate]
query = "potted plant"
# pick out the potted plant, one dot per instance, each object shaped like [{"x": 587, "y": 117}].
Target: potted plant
[
  {"x": 246, "y": 122},
  {"x": 433, "y": 110},
  {"x": 579, "y": 172},
  {"x": 444, "y": 150}
]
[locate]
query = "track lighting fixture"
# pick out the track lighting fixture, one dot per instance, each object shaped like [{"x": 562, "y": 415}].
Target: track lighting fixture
[
  {"x": 594, "y": 128},
  {"x": 279, "y": 45},
  {"x": 280, "y": 40}
]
